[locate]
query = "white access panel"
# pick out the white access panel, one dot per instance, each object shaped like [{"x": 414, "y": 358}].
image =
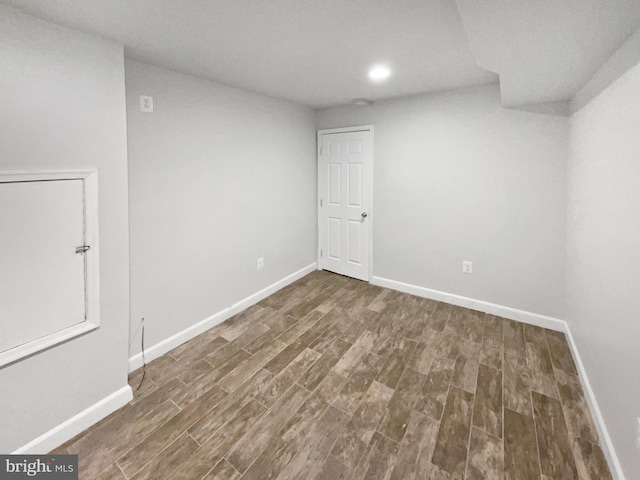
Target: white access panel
[{"x": 44, "y": 281}]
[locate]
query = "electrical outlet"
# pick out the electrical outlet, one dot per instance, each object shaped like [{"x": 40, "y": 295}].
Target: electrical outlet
[
  {"x": 146, "y": 103},
  {"x": 467, "y": 266},
  {"x": 260, "y": 263}
]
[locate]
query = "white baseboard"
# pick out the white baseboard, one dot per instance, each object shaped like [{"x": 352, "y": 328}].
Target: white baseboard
[
  {"x": 603, "y": 433},
  {"x": 78, "y": 423},
  {"x": 187, "y": 334},
  {"x": 532, "y": 319},
  {"x": 492, "y": 308}
]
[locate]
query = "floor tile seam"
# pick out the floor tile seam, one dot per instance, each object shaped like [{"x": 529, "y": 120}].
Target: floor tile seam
[
  {"x": 440, "y": 426},
  {"x": 473, "y": 408},
  {"x": 411, "y": 340},
  {"x": 411, "y": 404},
  {"x": 269, "y": 409},
  {"x": 211, "y": 469},
  {"x": 572, "y": 438},
  {"x": 272, "y": 314},
  {"x": 225, "y": 459},
  {"x": 406, "y": 328},
  {"x": 302, "y": 386},
  {"x": 501, "y": 405},
  {"x": 215, "y": 385},
  {"x": 433, "y": 359},
  {"x": 553, "y": 374},
  {"x": 379, "y": 422},
  {"x": 329, "y": 345},
  {"x": 179, "y": 408},
  {"x": 305, "y": 330},
  {"x": 294, "y": 382},
  {"x": 254, "y": 460},
  {"x": 201, "y": 350},
  {"x": 377, "y": 377},
  {"x": 207, "y": 360},
  {"x": 319, "y": 358},
  {"x": 330, "y": 403},
  {"x": 153, "y": 457},
  {"x": 141, "y": 441},
  {"x": 271, "y": 329},
  {"x": 363, "y": 455},
  {"x": 319, "y": 416},
  {"x": 424, "y": 379},
  {"x": 121, "y": 470},
  {"x": 224, "y": 424},
  {"x": 535, "y": 428},
  {"x": 308, "y": 300},
  {"x": 192, "y": 438},
  {"x": 501, "y": 440},
  {"x": 333, "y": 443},
  {"x": 263, "y": 415},
  {"x": 568, "y": 372},
  {"x": 338, "y": 460}
]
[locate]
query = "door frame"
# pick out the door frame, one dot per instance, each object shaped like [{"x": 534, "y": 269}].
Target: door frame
[{"x": 371, "y": 216}]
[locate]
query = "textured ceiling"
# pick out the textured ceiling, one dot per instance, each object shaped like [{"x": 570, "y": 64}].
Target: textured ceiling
[
  {"x": 314, "y": 52},
  {"x": 318, "y": 52},
  {"x": 546, "y": 50}
]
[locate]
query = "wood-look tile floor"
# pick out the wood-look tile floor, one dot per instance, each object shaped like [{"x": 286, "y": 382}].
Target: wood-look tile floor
[{"x": 332, "y": 378}]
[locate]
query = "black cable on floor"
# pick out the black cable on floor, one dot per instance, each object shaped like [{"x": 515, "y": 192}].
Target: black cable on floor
[{"x": 144, "y": 362}]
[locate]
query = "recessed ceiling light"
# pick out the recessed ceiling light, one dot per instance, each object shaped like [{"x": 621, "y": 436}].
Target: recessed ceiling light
[{"x": 379, "y": 73}]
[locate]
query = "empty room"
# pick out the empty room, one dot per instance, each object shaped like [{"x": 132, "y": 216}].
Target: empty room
[{"x": 319, "y": 239}]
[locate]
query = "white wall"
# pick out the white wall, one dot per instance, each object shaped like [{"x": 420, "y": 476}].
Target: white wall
[
  {"x": 457, "y": 177},
  {"x": 603, "y": 261},
  {"x": 218, "y": 178},
  {"x": 62, "y": 107}
]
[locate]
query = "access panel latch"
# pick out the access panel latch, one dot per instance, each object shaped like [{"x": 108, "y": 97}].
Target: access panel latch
[{"x": 82, "y": 248}]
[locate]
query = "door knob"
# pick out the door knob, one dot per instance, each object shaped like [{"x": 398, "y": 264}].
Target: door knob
[{"x": 364, "y": 214}]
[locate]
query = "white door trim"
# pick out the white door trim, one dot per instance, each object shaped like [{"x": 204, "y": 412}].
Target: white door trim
[
  {"x": 370, "y": 218},
  {"x": 89, "y": 179}
]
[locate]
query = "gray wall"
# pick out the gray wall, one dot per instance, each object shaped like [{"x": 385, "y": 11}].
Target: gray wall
[
  {"x": 603, "y": 238},
  {"x": 62, "y": 107},
  {"x": 218, "y": 178},
  {"x": 457, "y": 177}
]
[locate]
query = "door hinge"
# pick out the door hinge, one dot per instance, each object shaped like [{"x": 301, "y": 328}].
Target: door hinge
[
  {"x": 321, "y": 202},
  {"x": 321, "y": 151},
  {"x": 320, "y": 253}
]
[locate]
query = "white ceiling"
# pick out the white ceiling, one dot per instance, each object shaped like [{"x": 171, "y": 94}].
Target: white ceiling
[
  {"x": 314, "y": 52},
  {"x": 317, "y": 52},
  {"x": 546, "y": 50}
]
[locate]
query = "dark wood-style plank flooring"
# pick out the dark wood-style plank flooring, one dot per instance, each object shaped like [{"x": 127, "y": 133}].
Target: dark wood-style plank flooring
[{"x": 332, "y": 378}]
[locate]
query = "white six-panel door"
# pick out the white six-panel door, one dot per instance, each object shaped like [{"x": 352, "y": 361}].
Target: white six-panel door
[{"x": 344, "y": 190}]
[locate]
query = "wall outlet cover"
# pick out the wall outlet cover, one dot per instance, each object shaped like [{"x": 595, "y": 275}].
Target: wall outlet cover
[{"x": 146, "y": 103}]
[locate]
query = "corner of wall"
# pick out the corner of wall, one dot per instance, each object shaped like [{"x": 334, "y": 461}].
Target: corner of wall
[
  {"x": 168, "y": 344},
  {"x": 78, "y": 423}
]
